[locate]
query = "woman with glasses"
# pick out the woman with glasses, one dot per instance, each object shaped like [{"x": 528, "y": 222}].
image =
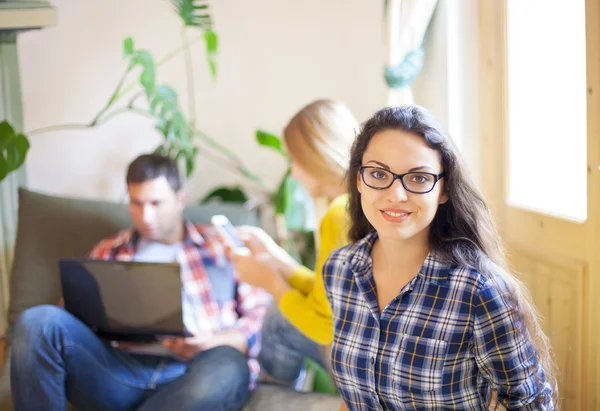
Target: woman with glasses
[
  {"x": 318, "y": 140},
  {"x": 426, "y": 315}
]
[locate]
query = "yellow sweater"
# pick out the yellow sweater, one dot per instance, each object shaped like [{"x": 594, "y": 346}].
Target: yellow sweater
[{"x": 306, "y": 305}]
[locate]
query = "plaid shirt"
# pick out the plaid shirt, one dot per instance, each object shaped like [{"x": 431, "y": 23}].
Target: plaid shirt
[
  {"x": 202, "y": 259},
  {"x": 442, "y": 343}
]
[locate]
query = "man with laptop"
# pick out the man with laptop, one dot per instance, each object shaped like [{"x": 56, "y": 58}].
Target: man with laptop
[{"x": 94, "y": 352}]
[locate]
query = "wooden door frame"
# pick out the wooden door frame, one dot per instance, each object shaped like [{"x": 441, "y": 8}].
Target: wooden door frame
[
  {"x": 494, "y": 99},
  {"x": 592, "y": 375}
]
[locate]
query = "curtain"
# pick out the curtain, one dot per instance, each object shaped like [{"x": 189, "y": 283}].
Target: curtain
[
  {"x": 10, "y": 109},
  {"x": 406, "y": 23}
]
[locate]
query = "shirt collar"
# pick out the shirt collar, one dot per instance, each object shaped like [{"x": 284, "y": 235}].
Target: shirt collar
[
  {"x": 434, "y": 268},
  {"x": 192, "y": 235},
  {"x": 131, "y": 237},
  {"x": 125, "y": 237}
]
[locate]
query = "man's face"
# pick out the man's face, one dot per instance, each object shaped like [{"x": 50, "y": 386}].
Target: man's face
[{"x": 156, "y": 209}]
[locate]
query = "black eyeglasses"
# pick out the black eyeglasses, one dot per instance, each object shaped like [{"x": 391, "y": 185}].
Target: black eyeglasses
[{"x": 415, "y": 182}]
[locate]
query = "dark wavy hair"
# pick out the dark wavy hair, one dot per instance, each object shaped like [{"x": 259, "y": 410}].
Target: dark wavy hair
[
  {"x": 462, "y": 231},
  {"x": 150, "y": 166}
]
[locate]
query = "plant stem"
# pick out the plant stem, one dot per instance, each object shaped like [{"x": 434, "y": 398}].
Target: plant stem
[
  {"x": 231, "y": 167},
  {"x": 134, "y": 98},
  {"x": 115, "y": 113},
  {"x": 140, "y": 112},
  {"x": 178, "y": 50},
  {"x": 117, "y": 94},
  {"x": 189, "y": 71},
  {"x": 112, "y": 99},
  {"x": 125, "y": 109},
  {"x": 57, "y": 127},
  {"x": 237, "y": 163}
]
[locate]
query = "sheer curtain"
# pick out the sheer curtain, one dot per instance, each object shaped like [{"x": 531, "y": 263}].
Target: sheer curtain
[{"x": 406, "y": 23}]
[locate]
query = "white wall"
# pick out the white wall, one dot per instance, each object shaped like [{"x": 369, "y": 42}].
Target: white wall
[{"x": 275, "y": 56}]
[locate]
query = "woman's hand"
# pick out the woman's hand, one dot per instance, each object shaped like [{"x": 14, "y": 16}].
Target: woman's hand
[
  {"x": 260, "y": 244},
  {"x": 257, "y": 240},
  {"x": 260, "y": 270}
]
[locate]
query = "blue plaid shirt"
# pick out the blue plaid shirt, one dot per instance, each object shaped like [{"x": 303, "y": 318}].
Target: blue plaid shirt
[{"x": 442, "y": 343}]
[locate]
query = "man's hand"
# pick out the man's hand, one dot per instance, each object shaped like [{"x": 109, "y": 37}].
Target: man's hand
[
  {"x": 187, "y": 348},
  {"x": 127, "y": 345},
  {"x": 232, "y": 338}
]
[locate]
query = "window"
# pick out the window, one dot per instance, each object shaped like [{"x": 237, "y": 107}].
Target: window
[{"x": 547, "y": 119}]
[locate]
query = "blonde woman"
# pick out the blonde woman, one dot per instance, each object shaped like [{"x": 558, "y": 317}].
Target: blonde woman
[{"x": 299, "y": 325}]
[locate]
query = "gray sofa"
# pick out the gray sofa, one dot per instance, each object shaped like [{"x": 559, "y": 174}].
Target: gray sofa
[{"x": 52, "y": 227}]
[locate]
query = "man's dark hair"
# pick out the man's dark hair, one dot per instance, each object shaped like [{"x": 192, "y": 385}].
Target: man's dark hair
[{"x": 150, "y": 166}]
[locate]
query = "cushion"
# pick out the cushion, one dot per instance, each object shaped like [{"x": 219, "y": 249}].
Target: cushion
[{"x": 275, "y": 398}]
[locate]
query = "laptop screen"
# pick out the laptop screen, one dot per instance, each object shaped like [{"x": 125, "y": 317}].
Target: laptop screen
[{"x": 119, "y": 296}]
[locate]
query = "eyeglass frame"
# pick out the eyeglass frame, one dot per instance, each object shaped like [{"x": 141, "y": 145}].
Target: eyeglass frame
[{"x": 436, "y": 178}]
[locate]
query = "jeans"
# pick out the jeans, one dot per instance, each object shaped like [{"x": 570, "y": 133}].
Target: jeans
[
  {"x": 56, "y": 358},
  {"x": 284, "y": 348}
]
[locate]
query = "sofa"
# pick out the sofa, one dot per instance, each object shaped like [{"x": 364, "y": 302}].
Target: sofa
[{"x": 51, "y": 227}]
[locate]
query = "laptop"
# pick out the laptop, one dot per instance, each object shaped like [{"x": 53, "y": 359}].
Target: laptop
[{"x": 124, "y": 300}]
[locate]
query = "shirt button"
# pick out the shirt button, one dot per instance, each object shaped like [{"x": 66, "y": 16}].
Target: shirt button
[{"x": 372, "y": 360}]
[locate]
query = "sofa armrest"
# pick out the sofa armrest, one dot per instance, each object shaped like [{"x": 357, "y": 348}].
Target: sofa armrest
[{"x": 5, "y": 394}]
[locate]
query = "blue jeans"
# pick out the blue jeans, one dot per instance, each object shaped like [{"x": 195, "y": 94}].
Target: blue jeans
[
  {"x": 56, "y": 358},
  {"x": 284, "y": 348}
]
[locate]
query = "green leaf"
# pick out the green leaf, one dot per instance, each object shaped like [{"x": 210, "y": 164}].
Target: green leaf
[
  {"x": 212, "y": 67},
  {"x": 270, "y": 140},
  {"x": 164, "y": 100},
  {"x": 189, "y": 163},
  {"x": 148, "y": 76},
  {"x": 166, "y": 93},
  {"x": 299, "y": 209},
  {"x": 280, "y": 196},
  {"x": 193, "y": 13},
  {"x": 128, "y": 47},
  {"x": 212, "y": 44},
  {"x": 295, "y": 204},
  {"x": 226, "y": 194},
  {"x": 144, "y": 59},
  {"x": 176, "y": 152},
  {"x": 161, "y": 149},
  {"x": 164, "y": 106},
  {"x": 13, "y": 149},
  {"x": 212, "y": 41},
  {"x": 172, "y": 124}
]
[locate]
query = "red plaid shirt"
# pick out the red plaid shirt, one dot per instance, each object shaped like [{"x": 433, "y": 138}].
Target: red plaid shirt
[{"x": 204, "y": 313}]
